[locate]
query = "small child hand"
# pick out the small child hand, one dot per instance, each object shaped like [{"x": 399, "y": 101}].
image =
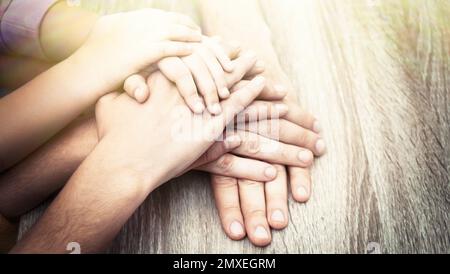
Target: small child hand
[{"x": 206, "y": 72}]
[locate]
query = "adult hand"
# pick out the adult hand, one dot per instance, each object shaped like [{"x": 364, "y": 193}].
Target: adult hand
[
  {"x": 242, "y": 199},
  {"x": 135, "y": 155},
  {"x": 164, "y": 126}
]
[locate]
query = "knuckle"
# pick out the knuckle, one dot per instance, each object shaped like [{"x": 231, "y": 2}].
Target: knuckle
[
  {"x": 208, "y": 156},
  {"x": 255, "y": 212},
  {"x": 253, "y": 146},
  {"x": 225, "y": 182},
  {"x": 213, "y": 153},
  {"x": 306, "y": 137},
  {"x": 225, "y": 163},
  {"x": 231, "y": 208},
  {"x": 181, "y": 75},
  {"x": 285, "y": 153},
  {"x": 250, "y": 184}
]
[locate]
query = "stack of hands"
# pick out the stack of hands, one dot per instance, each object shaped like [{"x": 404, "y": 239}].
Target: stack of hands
[
  {"x": 249, "y": 167},
  {"x": 190, "y": 102}
]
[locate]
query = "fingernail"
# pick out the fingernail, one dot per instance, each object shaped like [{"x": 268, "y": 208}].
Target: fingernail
[
  {"x": 277, "y": 216},
  {"x": 199, "y": 107},
  {"x": 236, "y": 228},
  {"x": 140, "y": 94},
  {"x": 282, "y": 108},
  {"x": 259, "y": 80},
  {"x": 215, "y": 109},
  {"x": 320, "y": 147},
  {"x": 302, "y": 192},
  {"x": 261, "y": 233},
  {"x": 224, "y": 93},
  {"x": 305, "y": 156},
  {"x": 317, "y": 128},
  {"x": 232, "y": 142},
  {"x": 270, "y": 172}
]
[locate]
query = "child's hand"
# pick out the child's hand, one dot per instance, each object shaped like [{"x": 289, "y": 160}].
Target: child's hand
[
  {"x": 125, "y": 43},
  {"x": 205, "y": 72}
]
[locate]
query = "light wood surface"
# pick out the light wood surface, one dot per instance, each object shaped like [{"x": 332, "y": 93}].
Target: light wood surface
[{"x": 377, "y": 75}]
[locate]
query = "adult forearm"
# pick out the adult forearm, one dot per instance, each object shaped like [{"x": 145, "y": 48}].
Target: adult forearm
[
  {"x": 220, "y": 17},
  {"x": 223, "y": 18},
  {"x": 92, "y": 207},
  {"x": 46, "y": 170},
  {"x": 64, "y": 29}
]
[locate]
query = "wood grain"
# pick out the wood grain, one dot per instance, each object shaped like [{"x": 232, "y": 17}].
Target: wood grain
[{"x": 377, "y": 75}]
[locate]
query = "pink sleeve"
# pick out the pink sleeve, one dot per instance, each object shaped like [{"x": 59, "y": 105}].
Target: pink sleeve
[
  {"x": 20, "y": 24},
  {"x": 3, "y": 6}
]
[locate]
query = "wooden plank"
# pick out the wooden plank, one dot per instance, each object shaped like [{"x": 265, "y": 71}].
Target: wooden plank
[{"x": 376, "y": 73}]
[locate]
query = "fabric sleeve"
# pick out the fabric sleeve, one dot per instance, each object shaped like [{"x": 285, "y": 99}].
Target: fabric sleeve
[{"x": 20, "y": 24}]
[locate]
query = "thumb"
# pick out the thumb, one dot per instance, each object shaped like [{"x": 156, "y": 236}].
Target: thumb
[{"x": 136, "y": 87}]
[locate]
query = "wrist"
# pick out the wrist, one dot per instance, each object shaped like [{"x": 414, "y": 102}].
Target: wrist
[
  {"x": 88, "y": 74},
  {"x": 120, "y": 161},
  {"x": 64, "y": 29}
]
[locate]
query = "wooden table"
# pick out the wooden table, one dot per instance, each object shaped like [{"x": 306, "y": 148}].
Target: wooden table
[{"x": 377, "y": 75}]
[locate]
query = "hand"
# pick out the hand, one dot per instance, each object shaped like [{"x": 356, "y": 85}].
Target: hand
[
  {"x": 122, "y": 44},
  {"x": 151, "y": 129},
  {"x": 242, "y": 198},
  {"x": 301, "y": 177},
  {"x": 204, "y": 72},
  {"x": 139, "y": 149}
]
